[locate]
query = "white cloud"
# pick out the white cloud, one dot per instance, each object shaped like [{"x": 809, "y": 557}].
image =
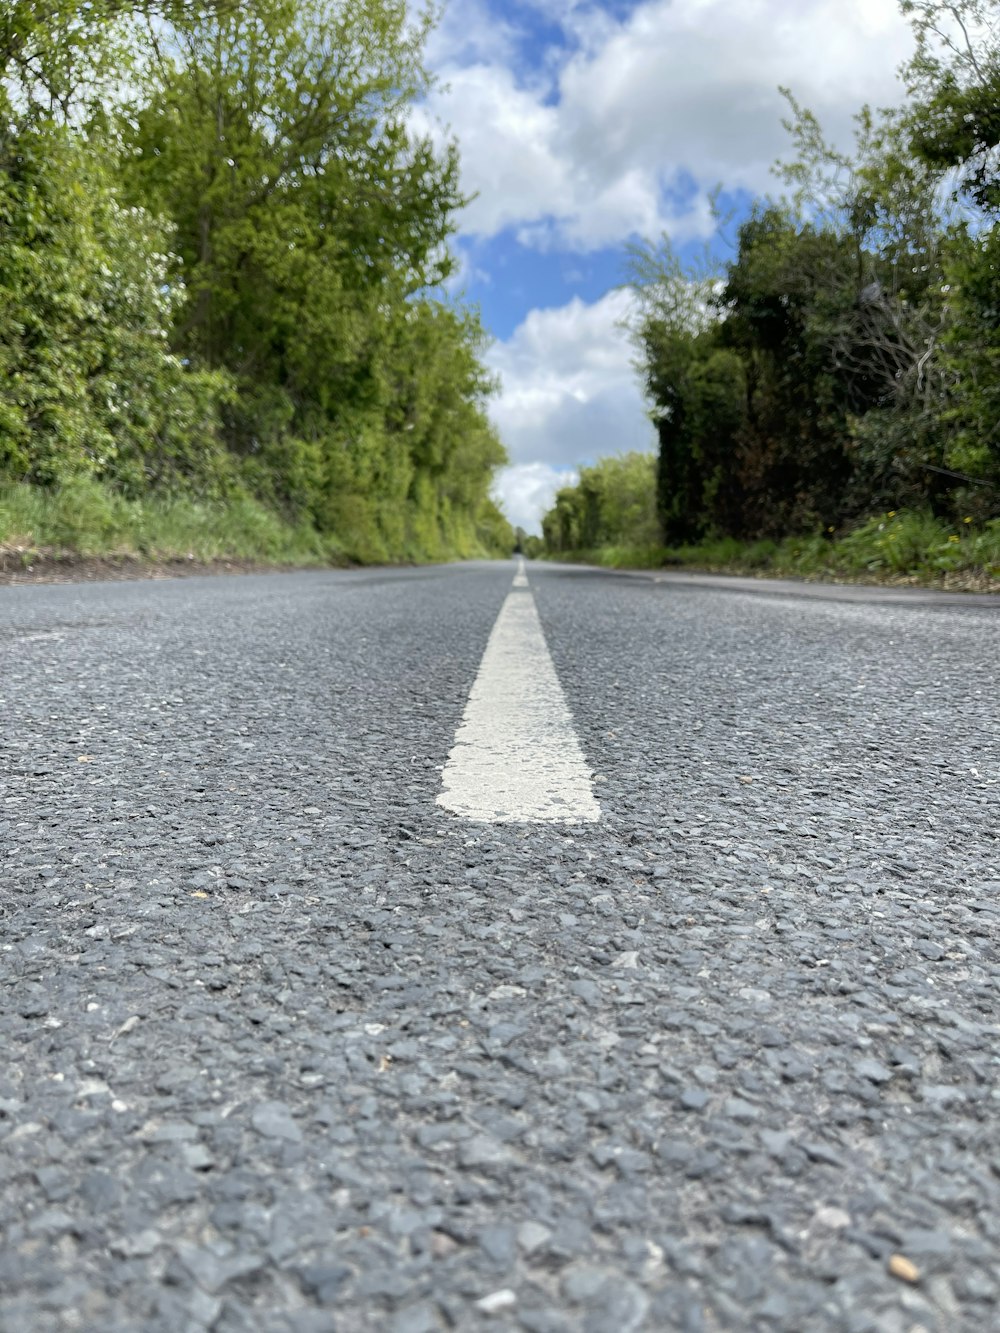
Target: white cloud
[
  {"x": 570, "y": 393},
  {"x": 695, "y": 82},
  {"x": 527, "y": 490},
  {"x": 587, "y": 152},
  {"x": 624, "y": 130},
  {"x": 507, "y": 139}
]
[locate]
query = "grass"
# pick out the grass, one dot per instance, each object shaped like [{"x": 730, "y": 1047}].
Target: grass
[
  {"x": 897, "y": 547},
  {"x": 82, "y": 518}
]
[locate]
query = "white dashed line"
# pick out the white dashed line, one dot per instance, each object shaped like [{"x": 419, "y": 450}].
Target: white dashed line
[{"x": 516, "y": 757}]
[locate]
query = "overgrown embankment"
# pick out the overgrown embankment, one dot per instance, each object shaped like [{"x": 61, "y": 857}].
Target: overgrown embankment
[
  {"x": 85, "y": 528},
  {"x": 224, "y": 328},
  {"x": 893, "y": 548}
]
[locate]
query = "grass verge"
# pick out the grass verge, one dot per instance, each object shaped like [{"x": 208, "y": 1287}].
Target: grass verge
[
  {"x": 895, "y": 548},
  {"x": 83, "y": 526},
  {"x": 83, "y": 519}
]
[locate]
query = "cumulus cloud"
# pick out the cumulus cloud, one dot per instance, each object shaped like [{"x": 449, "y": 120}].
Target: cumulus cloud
[
  {"x": 507, "y": 137},
  {"x": 580, "y": 127},
  {"x": 570, "y": 393},
  {"x": 526, "y": 491},
  {"x": 695, "y": 82},
  {"x": 590, "y": 149}
]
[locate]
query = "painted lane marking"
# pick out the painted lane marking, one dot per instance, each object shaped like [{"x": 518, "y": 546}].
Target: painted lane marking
[
  {"x": 521, "y": 577},
  {"x": 516, "y": 757}
]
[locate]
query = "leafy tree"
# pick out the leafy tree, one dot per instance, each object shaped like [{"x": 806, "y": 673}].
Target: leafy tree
[
  {"x": 847, "y": 356},
  {"x": 60, "y": 58},
  {"x": 90, "y": 384},
  {"x": 695, "y": 386},
  {"x": 219, "y": 240},
  {"x": 888, "y": 335},
  {"x": 612, "y": 504},
  {"x": 829, "y": 369},
  {"x": 308, "y": 218},
  {"x": 954, "y": 79},
  {"x": 954, "y": 131},
  {"x": 562, "y": 524}
]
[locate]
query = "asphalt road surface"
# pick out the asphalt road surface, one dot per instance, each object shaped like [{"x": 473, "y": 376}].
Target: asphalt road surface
[{"x": 290, "y": 1042}]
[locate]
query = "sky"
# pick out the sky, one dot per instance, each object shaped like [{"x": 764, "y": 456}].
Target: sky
[{"x": 586, "y": 124}]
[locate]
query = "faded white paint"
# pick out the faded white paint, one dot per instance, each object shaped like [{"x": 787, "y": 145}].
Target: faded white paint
[{"x": 516, "y": 757}]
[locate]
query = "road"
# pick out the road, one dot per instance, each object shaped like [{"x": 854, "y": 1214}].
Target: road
[{"x": 292, "y": 1045}]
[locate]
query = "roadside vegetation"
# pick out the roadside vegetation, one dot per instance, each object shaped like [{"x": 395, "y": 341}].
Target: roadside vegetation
[
  {"x": 893, "y": 548},
  {"x": 223, "y": 252},
  {"x": 609, "y": 518},
  {"x": 827, "y": 402}
]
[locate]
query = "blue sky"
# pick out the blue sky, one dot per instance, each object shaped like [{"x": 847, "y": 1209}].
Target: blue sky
[
  {"x": 506, "y": 278},
  {"x": 584, "y": 124}
]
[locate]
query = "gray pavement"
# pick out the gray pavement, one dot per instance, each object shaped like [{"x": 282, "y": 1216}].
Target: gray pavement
[{"x": 288, "y": 1047}]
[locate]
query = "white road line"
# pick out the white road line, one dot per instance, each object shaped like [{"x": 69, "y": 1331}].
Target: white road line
[{"x": 516, "y": 757}]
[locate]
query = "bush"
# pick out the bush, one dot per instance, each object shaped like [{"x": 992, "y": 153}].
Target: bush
[
  {"x": 894, "y": 545},
  {"x": 88, "y": 519}
]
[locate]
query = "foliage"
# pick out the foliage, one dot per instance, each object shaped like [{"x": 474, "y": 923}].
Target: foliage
[
  {"x": 612, "y": 502},
  {"x": 894, "y": 547},
  {"x": 847, "y": 357},
  {"x": 90, "y": 383},
  {"x": 308, "y": 219},
  {"x": 84, "y": 517},
  {"x": 221, "y": 250},
  {"x": 528, "y": 544},
  {"x": 494, "y": 534}
]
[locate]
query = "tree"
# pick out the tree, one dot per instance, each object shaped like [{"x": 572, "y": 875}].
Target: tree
[
  {"x": 954, "y": 130},
  {"x": 307, "y": 219},
  {"x": 221, "y": 266},
  {"x": 90, "y": 385},
  {"x": 612, "y": 504},
  {"x": 817, "y": 377},
  {"x": 59, "y": 59},
  {"x": 954, "y": 81},
  {"x": 696, "y": 387}
]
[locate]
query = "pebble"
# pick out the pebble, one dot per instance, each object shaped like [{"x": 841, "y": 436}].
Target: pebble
[
  {"x": 532, "y": 1236},
  {"x": 497, "y": 1302},
  {"x": 274, "y": 1120},
  {"x": 903, "y": 1268}
]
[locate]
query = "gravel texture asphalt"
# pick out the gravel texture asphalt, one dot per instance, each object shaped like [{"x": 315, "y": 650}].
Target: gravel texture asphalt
[{"x": 288, "y": 1047}]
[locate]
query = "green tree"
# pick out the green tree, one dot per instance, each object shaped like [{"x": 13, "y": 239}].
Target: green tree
[
  {"x": 562, "y": 524},
  {"x": 90, "y": 386},
  {"x": 888, "y": 329},
  {"x": 695, "y": 386},
  {"x": 612, "y": 504},
  {"x": 308, "y": 217},
  {"x": 221, "y": 257},
  {"x": 814, "y": 379},
  {"x": 953, "y": 124},
  {"x": 954, "y": 81}
]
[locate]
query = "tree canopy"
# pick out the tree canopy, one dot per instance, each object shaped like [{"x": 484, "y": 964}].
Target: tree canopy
[
  {"x": 846, "y": 357},
  {"x": 222, "y": 258}
]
